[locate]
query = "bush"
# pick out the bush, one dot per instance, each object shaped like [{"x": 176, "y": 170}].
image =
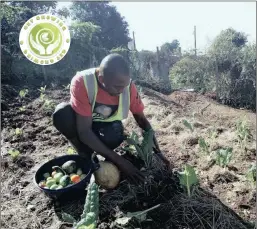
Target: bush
[
  {"x": 193, "y": 72},
  {"x": 229, "y": 68}
]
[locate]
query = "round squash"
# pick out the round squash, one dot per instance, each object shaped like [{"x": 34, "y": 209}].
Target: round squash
[{"x": 107, "y": 176}]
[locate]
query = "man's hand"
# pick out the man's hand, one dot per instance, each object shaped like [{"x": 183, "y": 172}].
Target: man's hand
[
  {"x": 144, "y": 124},
  {"x": 88, "y": 137},
  {"x": 129, "y": 170}
]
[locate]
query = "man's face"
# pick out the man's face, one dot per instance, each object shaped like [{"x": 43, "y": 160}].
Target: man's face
[{"x": 116, "y": 84}]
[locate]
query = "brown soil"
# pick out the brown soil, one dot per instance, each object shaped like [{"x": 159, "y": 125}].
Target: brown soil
[{"x": 24, "y": 206}]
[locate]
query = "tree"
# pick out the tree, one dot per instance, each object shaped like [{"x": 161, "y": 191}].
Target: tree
[
  {"x": 63, "y": 12},
  {"x": 227, "y": 51},
  {"x": 13, "y": 16},
  {"x": 39, "y": 7},
  {"x": 229, "y": 66},
  {"x": 193, "y": 72},
  {"x": 170, "y": 48},
  {"x": 114, "y": 29}
]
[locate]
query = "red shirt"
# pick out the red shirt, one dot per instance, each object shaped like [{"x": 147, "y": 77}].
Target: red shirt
[{"x": 105, "y": 105}]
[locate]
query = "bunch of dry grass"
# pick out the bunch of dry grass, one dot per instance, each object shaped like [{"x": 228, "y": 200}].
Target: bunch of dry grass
[{"x": 201, "y": 210}]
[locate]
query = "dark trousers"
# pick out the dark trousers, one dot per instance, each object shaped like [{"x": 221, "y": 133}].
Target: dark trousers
[{"x": 64, "y": 120}]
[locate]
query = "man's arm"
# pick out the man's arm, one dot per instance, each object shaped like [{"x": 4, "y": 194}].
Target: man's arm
[
  {"x": 82, "y": 107},
  {"x": 137, "y": 109},
  {"x": 88, "y": 137},
  {"x": 144, "y": 124}
]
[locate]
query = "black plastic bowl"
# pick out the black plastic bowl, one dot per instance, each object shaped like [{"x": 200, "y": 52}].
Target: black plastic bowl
[{"x": 87, "y": 166}]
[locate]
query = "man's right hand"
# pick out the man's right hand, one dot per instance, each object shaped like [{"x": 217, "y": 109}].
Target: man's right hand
[
  {"x": 88, "y": 137},
  {"x": 129, "y": 170}
]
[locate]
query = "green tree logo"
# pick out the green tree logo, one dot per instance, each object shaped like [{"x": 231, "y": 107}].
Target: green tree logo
[{"x": 44, "y": 39}]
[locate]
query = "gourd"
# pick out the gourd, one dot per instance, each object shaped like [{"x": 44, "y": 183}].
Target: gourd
[
  {"x": 69, "y": 166},
  {"x": 54, "y": 186},
  {"x": 108, "y": 175},
  {"x": 65, "y": 180},
  {"x": 50, "y": 182},
  {"x": 58, "y": 176}
]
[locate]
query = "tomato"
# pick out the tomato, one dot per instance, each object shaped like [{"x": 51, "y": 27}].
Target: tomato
[{"x": 75, "y": 178}]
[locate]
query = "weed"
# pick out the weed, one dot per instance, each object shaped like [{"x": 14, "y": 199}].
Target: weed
[
  {"x": 14, "y": 153},
  {"x": 23, "y": 108},
  {"x": 23, "y": 93},
  {"x": 223, "y": 157},
  {"x": 18, "y": 131},
  {"x": 204, "y": 146},
  {"x": 42, "y": 97},
  {"x": 188, "y": 125},
  {"x": 129, "y": 148},
  {"x": 42, "y": 93},
  {"x": 42, "y": 89},
  {"x": 49, "y": 105},
  {"x": 243, "y": 132},
  {"x": 145, "y": 149},
  {"x": 140, "y": 216},
  {"x": 188, "y": 178},
  {"x": 71, "y": 151},
  {"x": 212, "y": 135},
  {"x": 251, "y": 174}
]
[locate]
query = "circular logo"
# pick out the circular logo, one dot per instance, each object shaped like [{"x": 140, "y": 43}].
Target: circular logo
[{"x": 44, "y": 39}]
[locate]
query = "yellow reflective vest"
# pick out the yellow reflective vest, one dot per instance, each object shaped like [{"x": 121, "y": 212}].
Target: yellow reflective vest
[{"x": 91, "y": 86}]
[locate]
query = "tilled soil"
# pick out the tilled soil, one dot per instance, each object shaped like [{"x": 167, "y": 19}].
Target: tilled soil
[{"x": 24, "y": 206}]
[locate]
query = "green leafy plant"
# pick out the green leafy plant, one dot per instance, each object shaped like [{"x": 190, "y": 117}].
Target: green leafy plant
[
  {"x": 14, "y": 153},
  {"x": 42, "y": 89},
  {"x": 23, "y": 108},
  {"x": 140, "y": 216},
  {"x": 129, "y": 148},
  {"x": 212, "y": 135},
  {"x": 188, "y": 125},
  {"x": 91, "y": 210},
  {"x": 251, "y": 173},
  {"x": 49, "y": 105},
  {"x": 188, "y": 178},
  {"x": 71, "y": 151},
  {"x": 204, "y": 146},
  {"x": 18, "y": 131},
  {"x": 223, "y": 157},
  {"x": 243, "y": 132},
  {"x": 23, "y": 93},
  {"x": 145, "y": 149},
  {"x": 42, "y": 93},
  {"x": 42, "y": 97}
]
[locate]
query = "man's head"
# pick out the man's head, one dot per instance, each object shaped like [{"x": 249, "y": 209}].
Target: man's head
[{"x": 114, "y": 74}]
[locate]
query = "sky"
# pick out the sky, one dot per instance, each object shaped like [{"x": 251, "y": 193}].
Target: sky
[{"x": 155, "y": 23}]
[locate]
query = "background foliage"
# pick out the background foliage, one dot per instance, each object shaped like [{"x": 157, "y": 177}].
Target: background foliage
[{"x": 228, "y": 68}]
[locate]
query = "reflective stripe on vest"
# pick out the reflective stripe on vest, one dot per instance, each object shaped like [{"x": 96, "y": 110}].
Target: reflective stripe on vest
[{"x": 92, "y": 88}]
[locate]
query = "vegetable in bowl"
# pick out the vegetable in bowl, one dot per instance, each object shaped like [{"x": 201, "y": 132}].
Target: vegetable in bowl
[{"x": 62, "y": 176}]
